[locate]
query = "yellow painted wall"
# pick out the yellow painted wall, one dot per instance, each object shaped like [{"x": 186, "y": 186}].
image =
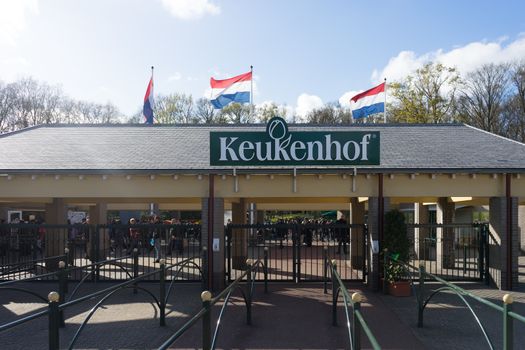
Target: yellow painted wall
[{"x": 188, "y": 189}]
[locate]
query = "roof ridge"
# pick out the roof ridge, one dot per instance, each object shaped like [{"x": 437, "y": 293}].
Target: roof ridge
[
  {"x": 492, "y": 134},
  {"x": 241, "y": 125},
  {"x": 29, "y": 128}
]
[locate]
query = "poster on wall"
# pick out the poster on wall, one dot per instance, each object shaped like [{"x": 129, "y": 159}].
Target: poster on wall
[{"x": 75, "y": 217}]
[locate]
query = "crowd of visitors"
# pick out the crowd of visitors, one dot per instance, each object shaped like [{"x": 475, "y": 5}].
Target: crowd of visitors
[{"x": 308, "y": 230}]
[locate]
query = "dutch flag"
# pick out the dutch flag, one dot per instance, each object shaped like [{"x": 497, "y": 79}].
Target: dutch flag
[
  {"x": 236, "y": 89},
  {"x": 147, "y": 110},
  {"x": 369, "y": 102}
]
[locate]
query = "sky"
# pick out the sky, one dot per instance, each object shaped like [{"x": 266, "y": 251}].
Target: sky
[{"x": 305, "y": 53}]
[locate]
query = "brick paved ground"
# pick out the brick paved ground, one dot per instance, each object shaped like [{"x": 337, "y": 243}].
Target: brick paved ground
[
  {"x": 290, "y": 317},
  {"x": 287, "y": 318},
  {"x": 449, "y": 325}
]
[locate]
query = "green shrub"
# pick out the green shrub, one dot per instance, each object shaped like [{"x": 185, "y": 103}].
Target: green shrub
[{"x": 397, "y": 244}]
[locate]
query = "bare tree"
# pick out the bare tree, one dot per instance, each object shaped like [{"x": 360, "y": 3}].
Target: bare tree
[
  {"x": 484, "y": 95},
  {"x": 35, "y": 103},
  {"x": 7, "y": 105},
  {"x": 205, "y": 113},
  {"x": 514, "y": 111},
  {"x": 331, "y": 113}
]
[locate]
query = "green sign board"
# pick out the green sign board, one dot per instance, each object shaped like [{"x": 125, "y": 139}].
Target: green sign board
[{"x": 278, "y": 146}]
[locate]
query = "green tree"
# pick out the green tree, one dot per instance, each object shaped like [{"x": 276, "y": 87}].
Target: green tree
[
  {"x": 236, "y": 113},
  {"x": 427, "y": 96},
  {"x": 267, "y": 111},
  {"x": 174, "y": 108}
]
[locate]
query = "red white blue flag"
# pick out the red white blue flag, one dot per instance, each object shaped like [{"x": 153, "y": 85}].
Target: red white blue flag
[
  {"x": 236, "y": 89},
  {"x": 371, "y": 101},
  {"x": 147, "y": 110}
]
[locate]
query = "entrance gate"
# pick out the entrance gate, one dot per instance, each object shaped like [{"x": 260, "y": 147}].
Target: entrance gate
[{"x": 296, "y": 251}]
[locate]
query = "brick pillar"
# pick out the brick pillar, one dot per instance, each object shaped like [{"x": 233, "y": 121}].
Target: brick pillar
[
  {"x": 260, "y": 217},
  {"x": 374, "y": 265},
  {"x": 422, "y": 244},
  {"x": 498, "y": 248},
  {"x": 55, "y": 238},
  {"x": 357, "y": 237},
  {"x": 445, "y": 236},
  {"x": 3, "y": 214},
  {"x": 239, "y": 236},
  {"x": 218, "y": 267},
  {"x": 521, "y": 227},
  {"x": 98, "y": 215}
]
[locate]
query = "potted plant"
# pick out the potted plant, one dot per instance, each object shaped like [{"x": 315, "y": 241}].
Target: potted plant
[{"x": 397, "y": 246}]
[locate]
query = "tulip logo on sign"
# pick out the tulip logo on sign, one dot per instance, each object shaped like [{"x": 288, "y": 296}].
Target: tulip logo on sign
[{"x": 279, "y": 146}]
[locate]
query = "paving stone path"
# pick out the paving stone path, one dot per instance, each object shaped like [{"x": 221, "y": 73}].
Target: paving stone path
[{"x": 291, "y": 316}]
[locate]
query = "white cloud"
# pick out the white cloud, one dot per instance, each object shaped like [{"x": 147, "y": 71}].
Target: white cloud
[
  {"x": 13, "y": 19},
  {"x": 176, "y": 76},
  {"x": 344, "y": 100},
  {"x": 307, "y": 103},
  {"x": 191, "y": 9},
  {"x": 465, "y": 58}
]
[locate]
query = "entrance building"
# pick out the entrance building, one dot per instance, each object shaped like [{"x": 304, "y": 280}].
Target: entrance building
[{"x": 437, "y": 170}]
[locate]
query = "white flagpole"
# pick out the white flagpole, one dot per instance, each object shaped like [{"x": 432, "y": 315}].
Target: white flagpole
[
  {"x": 384, "y": 110},
  {"x": 153, "y": 93},
  {"x": 251, "y": 92}
]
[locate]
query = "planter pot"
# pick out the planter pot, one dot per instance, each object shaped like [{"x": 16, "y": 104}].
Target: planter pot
[{"x": 400, "y": 289}]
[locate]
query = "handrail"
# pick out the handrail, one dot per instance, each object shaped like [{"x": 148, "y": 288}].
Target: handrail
[
  {"x": 90, "y": 273},
  {"x": 109, "y": 289},
  {"x": 160, "y": 302},
  {"x": 55, "y": 309},
  {"x": 422, "y": 301},
  {"x": 62, "y": 273},
  {"x": 70, "y": 269},
  {"x": 209, "y": 342},
  {"x": 23, "y": 320},
  {"x": 81, "y": 299},
  {"x": 27, "y": 262},
  {"x": 358, "y": 322}
]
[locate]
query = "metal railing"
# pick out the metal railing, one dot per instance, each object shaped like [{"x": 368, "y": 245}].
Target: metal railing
[
  {"x": 160, "y": 302},
  {"x": 62, "y": 277},
  {"x": 355, "y": 321},
  {"x": 22, "y": 244},
  {"x": 296, "y": 249},
  {"x": 508, "y": 316},
  {"x": 57, "y": 303},
  {"x": 21, "y": 267},
  {"x": 208, "y": 341},
  {"x": 454, "y": 251}
]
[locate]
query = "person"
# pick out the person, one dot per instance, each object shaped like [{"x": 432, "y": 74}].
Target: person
[
  {"x": 85, "y": 237},
  {"x": 155, "y": 237},
  {"x": 134, "y": 235},
  {"x": 41, "y": 236},
  {"x": 343, "y": 235},
  {"x": 176, "y": 237},
  {"x": 4, "y": 238}
]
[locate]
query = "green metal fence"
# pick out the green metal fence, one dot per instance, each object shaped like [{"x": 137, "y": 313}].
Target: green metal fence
[
  {"x": 420, "y": 275},
  {"x": 352, "y": 305},
  {"x": 452, "y": 251},
  {"x": 57, "y": 303},
  {"x": 248, "y": 277}
]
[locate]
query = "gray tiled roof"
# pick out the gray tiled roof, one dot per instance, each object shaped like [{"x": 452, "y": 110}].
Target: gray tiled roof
[{"x": 175, "y": 147}]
